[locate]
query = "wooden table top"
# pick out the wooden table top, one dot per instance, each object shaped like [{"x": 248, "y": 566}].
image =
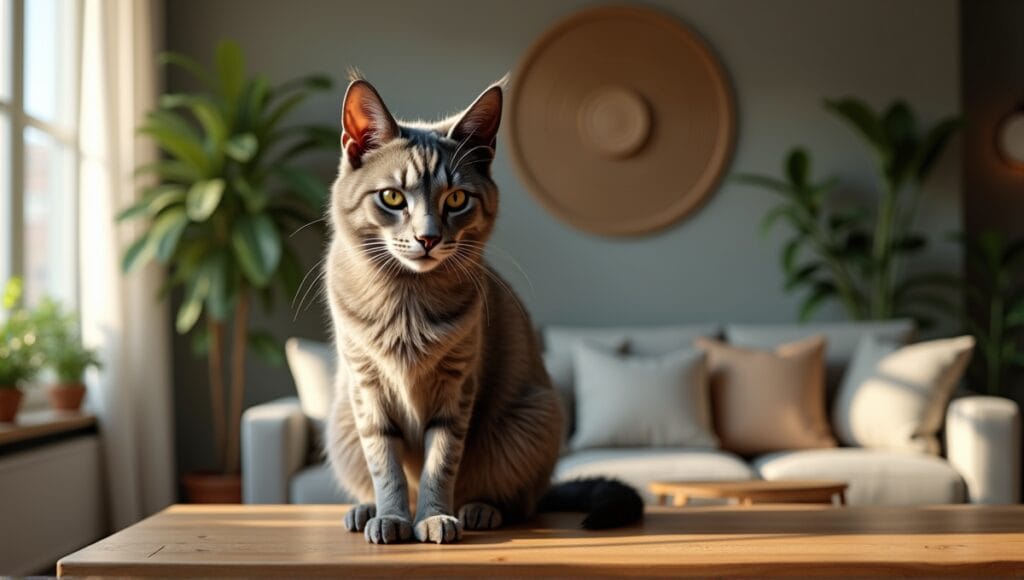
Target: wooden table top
[
  {"x": 310, "y": 541},
  {"x": 753, "y": 486}
]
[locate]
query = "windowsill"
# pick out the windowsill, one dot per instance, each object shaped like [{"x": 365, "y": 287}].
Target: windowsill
[{"x": 32, "y": 425}]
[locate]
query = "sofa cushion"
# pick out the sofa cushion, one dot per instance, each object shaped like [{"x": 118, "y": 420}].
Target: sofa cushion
[
  {"x": 842, "y": 339},
  {"x": 894, "y": 397},
  {"x": 875, "y": 477},
  {"x": 769, "y": 400},
  {"x": 315, "y": 484},
  {"x": 640, "y": 466},
  {"x": 633, "y": 401},
  {"x": 313, "y": 365},
  {"x": 560, "y": 343}
]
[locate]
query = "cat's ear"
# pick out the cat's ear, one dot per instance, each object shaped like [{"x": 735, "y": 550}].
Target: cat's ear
[
  {"x": 478, "y": 125},
  {"x": 366, "y": 122}
]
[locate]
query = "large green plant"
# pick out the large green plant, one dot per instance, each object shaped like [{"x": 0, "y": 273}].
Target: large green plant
[
  {"x": 855, "y": 254},
  {"x": 994, "y": 288},
  {"x": 20, "y": 358},
  {"x": 228, "y": 195}
]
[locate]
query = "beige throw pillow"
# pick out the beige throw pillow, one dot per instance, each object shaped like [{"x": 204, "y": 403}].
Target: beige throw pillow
[
  {"x": 769, "y": 401},
  {"x": 895, "y": 398},
  {"x": 641, "y": 401}
]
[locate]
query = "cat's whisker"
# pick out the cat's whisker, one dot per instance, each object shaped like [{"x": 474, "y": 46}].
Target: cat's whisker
[
  {"x": 316, "y": 265},
  {"x": 292, "y": 235}
]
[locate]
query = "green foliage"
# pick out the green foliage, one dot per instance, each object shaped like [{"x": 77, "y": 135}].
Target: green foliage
[
  {"x": 229, "y": 191},
  {"x": 854, "y": 255},
  {"x": 994, "y": 288},
  {"x": 20, "y": 356},
  {"x": 60, "y": 342}
]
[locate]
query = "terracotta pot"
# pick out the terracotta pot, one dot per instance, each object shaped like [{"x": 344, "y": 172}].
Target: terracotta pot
[
  {"x": 209, "y": 487},
  {"x": 66, "y": 397},
  {"x": 10, "y": 402}
]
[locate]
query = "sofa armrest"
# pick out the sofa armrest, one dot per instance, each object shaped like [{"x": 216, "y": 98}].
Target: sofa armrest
[
  {"x": 275, "y": 443},
  {"x": 983, "y": 444}
]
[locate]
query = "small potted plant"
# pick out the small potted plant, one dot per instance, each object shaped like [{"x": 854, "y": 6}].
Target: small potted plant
[
  {"x": 19, "y": 355},
  {"x": 64, "y": 355}
]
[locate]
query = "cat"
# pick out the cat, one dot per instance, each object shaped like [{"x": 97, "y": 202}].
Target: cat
[{"x": 442, "y": 400}]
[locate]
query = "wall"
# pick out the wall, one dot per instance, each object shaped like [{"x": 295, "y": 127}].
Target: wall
[
  {"x": 784, "y": 56},
  {"x": 993, "y": 85}
]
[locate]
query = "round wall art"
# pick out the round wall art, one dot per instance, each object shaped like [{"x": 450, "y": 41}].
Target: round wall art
[{"x": 621, "y": 120}]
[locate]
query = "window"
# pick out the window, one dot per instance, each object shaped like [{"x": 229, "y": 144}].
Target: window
[{"x": 39, "y": 76}]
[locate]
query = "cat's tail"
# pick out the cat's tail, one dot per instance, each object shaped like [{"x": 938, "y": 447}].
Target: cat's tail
[{"x": 608, "y": 503}]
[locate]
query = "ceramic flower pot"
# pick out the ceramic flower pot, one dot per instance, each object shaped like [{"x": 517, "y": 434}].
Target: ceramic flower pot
[
  {"x": 10, "y": 402},
  {"x": 209, "y": 487},
  {"x": 66, "y": 397}
]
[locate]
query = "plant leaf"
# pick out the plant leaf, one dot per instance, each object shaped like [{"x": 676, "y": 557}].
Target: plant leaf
[
  {"x": 221, "y": 298},
  {"x": 154, "y": 201},
  {"x": 242, "y": 147},
  {"x": 188, "y": 65},
  {"x": 859, "y": 116},
  {"x": 257, "y": 246},
  {"x": 201, "y": 342},
  {"x": 765, "y": 182},
  {"x": 167, "y": 231},
  {"x": 203, "y": 199},
  {"x": 932, "y": 146},
  {"x": 302, "y": 182},
  {"x": 266, "y": 347},
  {"x": 192, "y": 306},
  {"x": 797, "y": 167},
  {"x": 801, "y": 275},
  {"x": 231, "y": 73},
  {"x": 821, "y": 292},
  {"x": 141, "y": 251},
  {"x": 789, "y": 255}
]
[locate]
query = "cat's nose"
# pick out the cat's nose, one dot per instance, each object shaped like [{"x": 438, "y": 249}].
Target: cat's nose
[{"x": 428, "y": 241}]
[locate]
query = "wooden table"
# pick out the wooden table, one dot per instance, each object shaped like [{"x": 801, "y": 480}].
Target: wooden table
[
  {"x": 308, "y": 541},
  {"x": 749, "y": 492}
]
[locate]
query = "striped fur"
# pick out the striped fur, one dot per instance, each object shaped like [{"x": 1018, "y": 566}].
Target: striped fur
[{"x": 442, "y": 399}]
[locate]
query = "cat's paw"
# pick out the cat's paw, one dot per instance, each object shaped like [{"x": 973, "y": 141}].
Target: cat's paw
[
  {"x": 356, "y": 518},
  {"x": 438, "y": 529},
  {"x": 387, "y": 530},
  {"x": 479, "y": 516}
]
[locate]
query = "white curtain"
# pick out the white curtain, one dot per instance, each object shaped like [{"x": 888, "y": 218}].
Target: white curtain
[{"x": 121, "y": 316}]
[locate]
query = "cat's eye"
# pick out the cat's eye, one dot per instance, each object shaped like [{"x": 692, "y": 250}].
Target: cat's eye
[
  {"x": 392, "y": 198},
  {"x": 456, "y": 200}
]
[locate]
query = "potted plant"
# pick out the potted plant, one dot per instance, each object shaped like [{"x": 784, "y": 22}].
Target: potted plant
[
  {"x": 19, "y": 355},
  {"x": 228, "y": 195},
  {"x": 994, "y": 309},
  {"x": 63, "y": 354},
  {"x": 856, "y": 255}
]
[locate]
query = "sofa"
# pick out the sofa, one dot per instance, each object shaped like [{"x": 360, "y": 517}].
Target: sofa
[{"x": 980, "y": 460}]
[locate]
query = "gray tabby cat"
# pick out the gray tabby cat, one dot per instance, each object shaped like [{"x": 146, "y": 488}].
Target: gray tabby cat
[{"x": 442, "y": 400}]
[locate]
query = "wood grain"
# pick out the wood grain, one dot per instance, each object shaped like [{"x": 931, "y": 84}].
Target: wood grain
[{"x": 308, "y": 541}]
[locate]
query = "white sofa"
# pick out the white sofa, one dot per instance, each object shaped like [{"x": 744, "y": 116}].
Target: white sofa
[{"x": 981, "y": 462}]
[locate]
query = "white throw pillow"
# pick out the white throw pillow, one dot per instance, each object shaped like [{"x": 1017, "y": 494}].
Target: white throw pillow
[
  {"x": 894, "y": 397},
  {"x": 313, "y": 365},
  {"x": 641, "y": 401}
]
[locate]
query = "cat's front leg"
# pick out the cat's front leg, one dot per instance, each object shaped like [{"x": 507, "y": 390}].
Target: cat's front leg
[
  {"x": 444, "y": 440},
  {"x": 382, "y": 446}
]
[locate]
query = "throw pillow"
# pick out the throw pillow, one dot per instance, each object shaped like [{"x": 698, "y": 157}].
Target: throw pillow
[
  {"x": 313, "y": 365},
  {"x": 641, "y": 401},
  {"x": 769, "y": 401},
  {"x": 894, "y": 397}
]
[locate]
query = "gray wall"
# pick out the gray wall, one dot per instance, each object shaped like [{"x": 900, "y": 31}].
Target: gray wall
[{"x": 784, "y": 56}]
